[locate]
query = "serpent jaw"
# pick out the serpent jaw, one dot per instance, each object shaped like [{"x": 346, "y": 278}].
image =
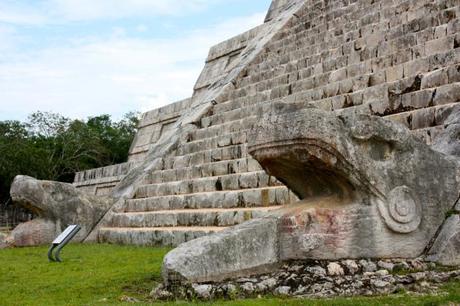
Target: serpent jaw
[{"x": 365, "y": 184}]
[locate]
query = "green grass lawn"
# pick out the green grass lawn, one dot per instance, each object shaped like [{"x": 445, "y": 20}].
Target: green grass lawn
[{"x": 103, "y": 274}]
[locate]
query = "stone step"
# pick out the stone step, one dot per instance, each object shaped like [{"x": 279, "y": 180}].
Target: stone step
[
  {"x": 342, "y": 78},
  {"x": 396, "y": 33},
  {"x": 151, "y": 236},
  {"x": 302, "y": 45},
  {"x": 224, "y": 141},
  {"x": 389, "y": 11},
  {"x": 247, "y": 198},
  {"x": 356, "y": 90},
  {"x": 398, "y": 96},
  {"x": 231, "y": 115},
  {"x": 420, "y": 100},
  {"x": 248, "y": 180},
  {"x": 236, "y": 103},
  {"x": 425, "y": 117},
  {"x": 219, "y": 168},
  {"x": 428, "y": 135},
  {"x": 189, "y": 217},
  {"x": 328, "y": 84},
  {"x": 226, "y": 128},
  {"x": 204, "y": 151}
]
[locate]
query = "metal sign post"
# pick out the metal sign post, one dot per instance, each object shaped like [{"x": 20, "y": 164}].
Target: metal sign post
[{"x": 61, "y": 242}]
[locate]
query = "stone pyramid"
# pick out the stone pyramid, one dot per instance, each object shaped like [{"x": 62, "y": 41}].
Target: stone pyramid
[{"x": 189, "y": 173}]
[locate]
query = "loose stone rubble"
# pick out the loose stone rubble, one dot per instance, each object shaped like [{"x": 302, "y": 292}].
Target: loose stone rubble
[{"x": 323, "y": 279}]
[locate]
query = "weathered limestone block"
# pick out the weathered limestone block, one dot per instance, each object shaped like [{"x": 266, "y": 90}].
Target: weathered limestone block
[
  {"x": 439, "y": 45},
  {"x": 435, "y": 79},
  {"x": 249, "y": 180},
  {"x": 422, "y": 118},
  {"x": 229, "y": 182},
  {"x": 446, "y": 248},
  {"x": 367, "y": 188},
  {"x": 394, "y": 73},
  {"x": 453, "y": 72},
  {"x": 34, "y": 232},
  {"x": 57, "y": 205},
  {"x": 448, "y": 141},
  {"x": 338, "y": 75},
  {"x": 252, "y": 245},
  {"x": 447, "y": 94}
]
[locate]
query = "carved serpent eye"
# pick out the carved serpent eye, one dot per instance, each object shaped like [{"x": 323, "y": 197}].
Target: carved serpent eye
[
  {"x": 380, "y": 150},
  {"x": 402, "y": 212}
]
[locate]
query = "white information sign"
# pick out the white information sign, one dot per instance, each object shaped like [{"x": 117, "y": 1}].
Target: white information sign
[{"x": 64, "y": 234}]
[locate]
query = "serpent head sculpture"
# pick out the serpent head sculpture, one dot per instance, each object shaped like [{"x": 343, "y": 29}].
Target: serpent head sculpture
[{"x": 368, "y": 188}]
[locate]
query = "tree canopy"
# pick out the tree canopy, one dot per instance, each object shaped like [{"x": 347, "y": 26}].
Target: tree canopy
[{"x": 50, "y": 146}]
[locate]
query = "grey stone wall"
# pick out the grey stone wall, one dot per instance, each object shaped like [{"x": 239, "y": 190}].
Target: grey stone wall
[{"x": 152, "y": 125}]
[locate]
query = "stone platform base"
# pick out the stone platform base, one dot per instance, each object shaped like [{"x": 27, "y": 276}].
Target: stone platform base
[{"x": 321, "y": 279}]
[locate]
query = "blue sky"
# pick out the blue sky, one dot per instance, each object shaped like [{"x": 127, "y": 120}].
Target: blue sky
[{"x": 83, "y": 58}]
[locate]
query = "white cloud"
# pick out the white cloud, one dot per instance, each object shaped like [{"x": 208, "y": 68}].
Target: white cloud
[
  {"x": 97, "y": 9},
  {"x": 8, "y": 39},
  {"x": 13, "y": 13},
  {"x": 118, "y": 31},
  {"x": 110, "y": 75},
  {"x": 142, "y": 28},
  {"x": 61, "y": 11}
]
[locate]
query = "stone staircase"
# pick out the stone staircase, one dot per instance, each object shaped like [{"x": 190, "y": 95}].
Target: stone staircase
[
  {"x": 399, "y": 59},
  {"x": 209, "y": 185}
]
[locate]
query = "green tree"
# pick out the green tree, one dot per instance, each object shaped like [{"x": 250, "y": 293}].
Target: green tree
[
  {"x": 13, "y": 149},
  {"x": 50, "y": 146},
  {"x": 116, "y": 137}
]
